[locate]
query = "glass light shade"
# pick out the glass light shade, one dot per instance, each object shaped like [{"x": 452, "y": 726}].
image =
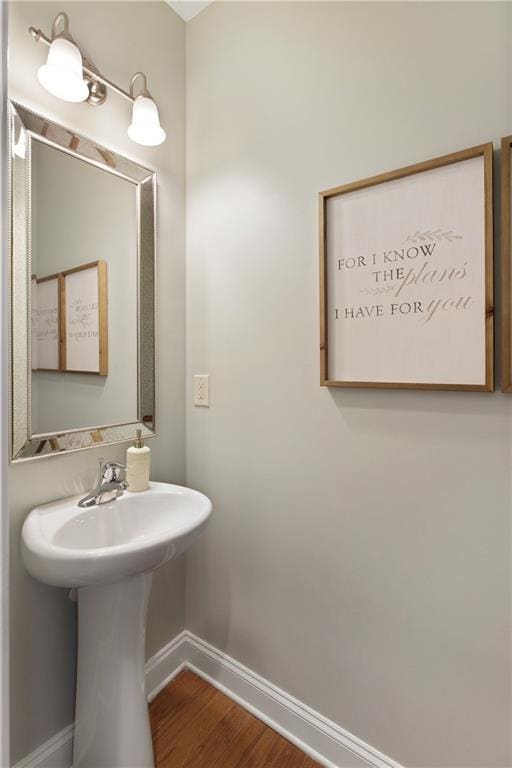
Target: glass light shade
[
  {"x": 62, "y": 74},
  {"x": 145, "y": 127}
]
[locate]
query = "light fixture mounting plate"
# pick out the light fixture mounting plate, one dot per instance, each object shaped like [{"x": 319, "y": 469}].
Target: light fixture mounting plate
[{"x": 97, "y": 93}]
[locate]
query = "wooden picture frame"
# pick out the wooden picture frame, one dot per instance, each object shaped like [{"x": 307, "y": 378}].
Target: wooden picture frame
[
  {"x": 84, "y": 319},
  {"x": 386, "y": 222},
  {"x": 506, "y": 264},
  {"x": 46, "y": 346}
]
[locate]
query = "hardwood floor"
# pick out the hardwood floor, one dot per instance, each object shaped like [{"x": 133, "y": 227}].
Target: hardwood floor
[{"x": 196, "y": 726}]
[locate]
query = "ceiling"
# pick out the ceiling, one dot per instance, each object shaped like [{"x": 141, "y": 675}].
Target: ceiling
[{"x": 187, "y": 9}]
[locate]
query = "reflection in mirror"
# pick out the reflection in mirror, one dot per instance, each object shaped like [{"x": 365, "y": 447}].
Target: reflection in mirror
[
  {"x": 82, "y": 271},
  {"x": 82, "y": 215}
]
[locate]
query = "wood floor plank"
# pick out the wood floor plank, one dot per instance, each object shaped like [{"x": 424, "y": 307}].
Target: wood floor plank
[
  {"x": 185, "y": 689},
  {"x": 175, "y": 715},
  {"x": 288, "y": 756},
  {"x": 261, "y": 756},
  {"x": 195, "y": 742},
  {"x": 196, "y": 726},
  {"x": 233, "y": 734}
]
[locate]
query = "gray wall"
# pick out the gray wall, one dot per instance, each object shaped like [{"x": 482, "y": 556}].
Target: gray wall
[
  {"x": 121, "y": 38},
  {"x": 359, "y": 553}
]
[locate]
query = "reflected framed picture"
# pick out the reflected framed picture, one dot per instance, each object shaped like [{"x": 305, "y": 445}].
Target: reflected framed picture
[
  {"x": 84, "y": 319},
  {"x": 406, "y": 277},
  {"x": 45, "y": 297}
]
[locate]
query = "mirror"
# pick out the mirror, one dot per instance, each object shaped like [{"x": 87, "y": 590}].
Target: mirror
[{"x": 82, "y": 287}]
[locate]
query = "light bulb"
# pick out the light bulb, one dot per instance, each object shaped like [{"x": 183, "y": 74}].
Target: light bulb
[
  {"x": 62, "y": 75},
  {"x": 145, "y": 127}
]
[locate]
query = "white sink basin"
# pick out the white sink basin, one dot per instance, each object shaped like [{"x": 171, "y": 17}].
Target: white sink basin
[
  {"x": 66, "y": 546},
  {"x": 109, "y": 552}
]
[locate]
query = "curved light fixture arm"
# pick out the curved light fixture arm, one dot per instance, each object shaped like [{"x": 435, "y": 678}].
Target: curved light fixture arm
[
  {"x": 144, "y": 91},
  {"x": 64, "y": 18}
]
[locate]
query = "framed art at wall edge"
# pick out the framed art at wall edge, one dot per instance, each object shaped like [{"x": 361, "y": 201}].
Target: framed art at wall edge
[
  {"x": 506, "y": 270},
  {"x": 406, "y": 277}
]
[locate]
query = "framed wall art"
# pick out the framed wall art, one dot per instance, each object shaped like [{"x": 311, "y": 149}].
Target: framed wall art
[
  {"x": 45, "y": 323},
  {"x": 84, "y": 319},
  {"x": 406, "y": 277},
  {"x": 506, "y": 269}
]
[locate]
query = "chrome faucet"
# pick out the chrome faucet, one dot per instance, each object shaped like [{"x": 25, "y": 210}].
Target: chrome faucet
[{"x": 111, "y": 484}]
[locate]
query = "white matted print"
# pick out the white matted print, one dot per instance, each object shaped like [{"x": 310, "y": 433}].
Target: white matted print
[
  {"x": 406, "y": 277},
  {"x": 85, "y": 308},
  {"x": 45, "y": 323},
  {"x": 506, "y": 263}
]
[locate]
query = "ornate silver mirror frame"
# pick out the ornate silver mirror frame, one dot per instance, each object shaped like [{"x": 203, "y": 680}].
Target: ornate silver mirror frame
[{"x": 26, "y": 127}]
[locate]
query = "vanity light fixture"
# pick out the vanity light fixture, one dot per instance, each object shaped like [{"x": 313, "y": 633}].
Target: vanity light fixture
[
  {"x": 145, "y": 127},
  {"x": 62, "y": 74},
  {"x": 71, "y": 77}
]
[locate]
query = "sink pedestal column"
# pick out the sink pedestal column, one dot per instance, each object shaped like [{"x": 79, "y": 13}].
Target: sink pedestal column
[{"x": 111, "y": 720}]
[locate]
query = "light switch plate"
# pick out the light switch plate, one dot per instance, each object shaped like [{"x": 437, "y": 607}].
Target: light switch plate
[{"x": 202, "y": 389}]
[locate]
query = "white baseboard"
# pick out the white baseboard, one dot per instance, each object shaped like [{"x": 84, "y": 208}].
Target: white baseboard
[
  {"x": 57, "y": 752},
  {"x": 168, "y": 662},
  {"x": 323, "y": 740}
]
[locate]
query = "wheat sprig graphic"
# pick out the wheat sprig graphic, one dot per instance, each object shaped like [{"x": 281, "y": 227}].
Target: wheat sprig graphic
[{"x": 433, "y": 235}]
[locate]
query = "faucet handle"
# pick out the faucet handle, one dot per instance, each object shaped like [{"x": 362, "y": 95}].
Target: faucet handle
[{"x": 113, "y": 472}]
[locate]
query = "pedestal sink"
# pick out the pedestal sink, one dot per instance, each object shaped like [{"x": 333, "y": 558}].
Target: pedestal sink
[{"x": 108, "y": 553}]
